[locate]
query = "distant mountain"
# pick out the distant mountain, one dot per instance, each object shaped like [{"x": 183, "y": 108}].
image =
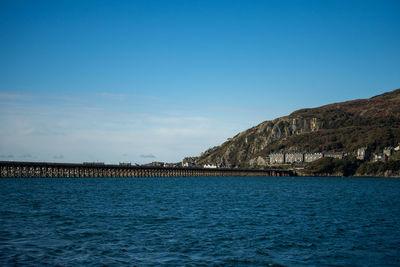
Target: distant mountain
[{"x": 346, "y": 126}]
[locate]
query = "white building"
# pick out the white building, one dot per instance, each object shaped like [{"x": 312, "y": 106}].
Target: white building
[
  {"x": 293, "y": 157},
  {"x": 310, "y": 157},
  {"x": 277, "y": 158},
  {"x": 188, "y": 164},
  {"x": 210, "y": 166},
  {"x": 336, "y": 155},
  {"x": 363, "y": 153}
]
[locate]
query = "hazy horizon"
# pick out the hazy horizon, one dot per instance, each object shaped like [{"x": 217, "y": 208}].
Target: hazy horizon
[{"x": 142, "y": 81}]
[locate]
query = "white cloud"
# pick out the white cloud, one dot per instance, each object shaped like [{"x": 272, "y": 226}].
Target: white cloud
[
  {"x": 15, "y": 96},
  {"x": 75, "y": 132},
  {"x": 9, "y": 156},
  {"x": 147, "y": 156},
  {"x": 121, "y": 97}
]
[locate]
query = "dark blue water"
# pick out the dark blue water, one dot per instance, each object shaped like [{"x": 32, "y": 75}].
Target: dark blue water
[{"x": 200, "y": 221}]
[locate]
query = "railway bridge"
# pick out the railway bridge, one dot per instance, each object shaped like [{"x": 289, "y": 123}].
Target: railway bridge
[{"x": 14, "y": 169}]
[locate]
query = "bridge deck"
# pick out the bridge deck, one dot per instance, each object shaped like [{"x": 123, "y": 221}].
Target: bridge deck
[{"x": 74, "y": 170}]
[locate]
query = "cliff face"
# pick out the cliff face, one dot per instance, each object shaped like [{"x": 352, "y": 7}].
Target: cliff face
[
  {"x": 336, "y": 127},
  {"x": 244, "y": 147}
]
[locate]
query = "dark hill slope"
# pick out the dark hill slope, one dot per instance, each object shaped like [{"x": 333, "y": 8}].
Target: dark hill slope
[{"x": 345, "y": 126}]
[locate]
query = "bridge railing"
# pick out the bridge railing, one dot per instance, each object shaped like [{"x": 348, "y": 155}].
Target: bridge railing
[{"x": 17, "y": 169}]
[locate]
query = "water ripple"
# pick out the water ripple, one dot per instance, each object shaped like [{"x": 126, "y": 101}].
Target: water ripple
[{"x": 200, "y": 222}]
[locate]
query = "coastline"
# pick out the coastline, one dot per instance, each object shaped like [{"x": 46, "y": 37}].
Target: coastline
[{"x": 349, "y": 176}]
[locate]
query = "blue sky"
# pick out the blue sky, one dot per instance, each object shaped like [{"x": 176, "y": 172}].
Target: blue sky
[{"x": 141, "y": 81}]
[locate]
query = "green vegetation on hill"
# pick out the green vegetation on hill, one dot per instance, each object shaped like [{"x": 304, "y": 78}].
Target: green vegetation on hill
[
  {"x": 346, "y": 126},
  {"x": 389, "y": 168},
  {"x": 351, "y": 167},
  {"x": 349, "y": 139},
  {"x": 332, "y": 166}
]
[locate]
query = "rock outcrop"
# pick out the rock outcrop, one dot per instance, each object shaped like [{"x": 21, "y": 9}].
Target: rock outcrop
[{"x": 374, "y": 122}]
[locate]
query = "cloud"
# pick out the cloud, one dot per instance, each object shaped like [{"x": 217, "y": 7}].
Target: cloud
[
  {"x": 14, "y": 96},
  {"x": 25, "y": 156},
  {"x": 7, "y": 156},
  {"x": 121, "y": 97},
  {"x": 93, "y": 131},
  {"x": 147, "y": 156},
  {"x": 114, "y": 96}
]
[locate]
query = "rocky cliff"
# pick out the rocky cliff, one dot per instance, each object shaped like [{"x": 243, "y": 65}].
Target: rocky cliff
[{"x": 345, "y": 126}]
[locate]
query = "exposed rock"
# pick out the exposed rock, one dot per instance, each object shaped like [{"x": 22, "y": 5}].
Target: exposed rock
[
  {"x": 258, "y": 161},
  {"x": 373, "y": 122}
]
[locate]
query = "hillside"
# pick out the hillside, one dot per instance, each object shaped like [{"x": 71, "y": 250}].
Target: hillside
[{"x": 345, "y": 126}]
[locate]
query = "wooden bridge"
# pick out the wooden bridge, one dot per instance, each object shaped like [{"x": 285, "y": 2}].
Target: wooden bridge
[{"x": 14, "y": 169}]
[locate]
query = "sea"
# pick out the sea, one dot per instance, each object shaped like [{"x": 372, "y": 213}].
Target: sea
[{"x": 200, "y": 221}]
